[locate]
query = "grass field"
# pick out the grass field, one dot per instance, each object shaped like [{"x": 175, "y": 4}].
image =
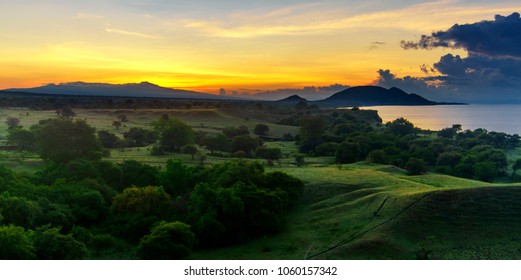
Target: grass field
[{"x": 377, "y": 212}]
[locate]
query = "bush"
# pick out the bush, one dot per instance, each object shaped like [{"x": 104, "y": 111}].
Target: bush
[
  {"x": 416, "y": 166},
  {"x": 50, "y": 244},
  {"x": 377, "y": 156},
  {"x": 167, "y": 241},
  {"x": 15, "y": 244},
  {"x": 347, "y": 152}
]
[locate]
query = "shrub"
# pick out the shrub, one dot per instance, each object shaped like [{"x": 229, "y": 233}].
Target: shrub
[{"x": 167, "y": 241}]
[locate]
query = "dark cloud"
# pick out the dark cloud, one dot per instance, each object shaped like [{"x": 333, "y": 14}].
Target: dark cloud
[
  {"x": 500, "y": 37},
  {"x": 410, "y": 84},
  {"x": 427, "y": 69},
  {"x": 491, "y": 71}
]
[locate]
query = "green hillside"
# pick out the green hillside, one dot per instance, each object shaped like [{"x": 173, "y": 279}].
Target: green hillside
[{"x": 377, "y": 212}]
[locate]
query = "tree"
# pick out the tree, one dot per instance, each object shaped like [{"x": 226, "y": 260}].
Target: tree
[
  {"x": 139, "y": 137},
  {"x": 12, "y": 122},
  {"x": 63, "y": 140},
  {"x": 299, "y": 160},
  {"x": 448, "y": 132},
  {"x": 135, "y": 173},
  {"x": 244, "y": 143},
  {"x": 116, "y": 124},
  {"x": 347, "y": 152},
  {"x": 175, "y": 134},
  {"x": 50, "y": 244},
  {"x": 135, "y": 210},
  {"x": 326, "y": 149},
  {"x": 269, "y": 154},
  {"x": 449, "y": 159},
  {"x": 377, "y": 156},
  {"x": 189, "y": 149},
  {"x": 232, "y": 132},
  {"x": 167, "y": 241},
  {"x": 19, "y": 211},
  {"x": 485, "y": 171},
  {"x": 401, "y": 127},
  {"x": 416, "y": 166},
  {"x": 15, "y": 243},
  {"x": 65, "y": 112},
  {"x": 148, "y": 201},
  {"x": 107, "y": 140},
  {"x": 261, "y": 129},
  {"x": 311, "y": 130},
  {"x": 217, "y": 142},
  {"x": 178, "y": 179},
  {"x": 22, "y": 138},
  {"x": 517, "y": 165}
]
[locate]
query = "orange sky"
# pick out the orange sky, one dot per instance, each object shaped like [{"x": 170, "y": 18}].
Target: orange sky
[{"x": 207, "y": 45}]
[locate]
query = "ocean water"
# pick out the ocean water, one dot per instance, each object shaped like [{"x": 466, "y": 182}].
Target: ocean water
[{"x": 493, "y": 117}]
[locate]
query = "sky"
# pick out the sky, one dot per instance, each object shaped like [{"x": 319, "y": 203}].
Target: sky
[{"x": 252, "y": 46}]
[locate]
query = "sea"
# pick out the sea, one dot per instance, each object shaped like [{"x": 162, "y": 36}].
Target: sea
[{"x": 492, "y": 117}]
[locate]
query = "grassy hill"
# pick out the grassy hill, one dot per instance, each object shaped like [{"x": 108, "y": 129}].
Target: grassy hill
[{"x": 377, "y": 212}]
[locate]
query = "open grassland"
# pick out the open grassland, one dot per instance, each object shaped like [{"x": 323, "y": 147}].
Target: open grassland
[
  {"x": 377, "y": 212},
  {"x": 210, "y": 120}
]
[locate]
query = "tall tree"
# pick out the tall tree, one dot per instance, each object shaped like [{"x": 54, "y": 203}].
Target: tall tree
[
  {"x": 311, "y": 130},
  {"x": 63, "y": 140}
]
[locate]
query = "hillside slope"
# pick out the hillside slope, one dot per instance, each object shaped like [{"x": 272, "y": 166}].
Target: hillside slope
[{"x": 378, "y": 212}]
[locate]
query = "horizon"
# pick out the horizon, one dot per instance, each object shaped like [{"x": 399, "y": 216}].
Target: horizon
[{"x": 205, "y": 46}]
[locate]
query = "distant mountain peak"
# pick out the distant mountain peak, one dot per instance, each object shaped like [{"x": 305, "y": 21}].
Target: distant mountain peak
[{"x": 292, "y": 99}]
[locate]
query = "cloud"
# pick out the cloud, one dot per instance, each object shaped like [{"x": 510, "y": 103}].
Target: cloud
[
  {"x": 130, "y": 33},
  {"x": 491, "y": 71},
  {"x": 319, "y": 18},
  {"x": 500, "y": 37},
  {"x": 408, "y": 83},
  {"x": 376, "y": 45}
]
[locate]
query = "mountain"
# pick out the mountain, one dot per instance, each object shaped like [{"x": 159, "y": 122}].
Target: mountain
[
  {"x": 374, "y": 96},
  {"x": 294, "y": 99},
  {"x": 143, "y": 89}
]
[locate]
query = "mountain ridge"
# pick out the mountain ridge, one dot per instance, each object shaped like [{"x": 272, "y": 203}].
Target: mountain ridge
[{"x": 142, "y": 89}]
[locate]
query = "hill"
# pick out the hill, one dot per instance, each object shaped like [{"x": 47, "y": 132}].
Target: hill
[
  {"x": 294, "y": 99},
  {"x": 363, "y": 211},
  {"x": 374, "y": 96},
  {"x": 143, "y": 89}
]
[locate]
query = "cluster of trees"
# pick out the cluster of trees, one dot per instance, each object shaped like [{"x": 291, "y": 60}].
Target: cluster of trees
[
  {"x": 477, "y": 154},
  {"x": 84, "y": 208}
]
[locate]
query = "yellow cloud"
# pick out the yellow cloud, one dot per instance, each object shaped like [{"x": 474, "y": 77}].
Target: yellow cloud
[{"x": 423, "y": 17}]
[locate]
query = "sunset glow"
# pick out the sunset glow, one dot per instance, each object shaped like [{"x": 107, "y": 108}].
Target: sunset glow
[{"x": 207, "y": 45}]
